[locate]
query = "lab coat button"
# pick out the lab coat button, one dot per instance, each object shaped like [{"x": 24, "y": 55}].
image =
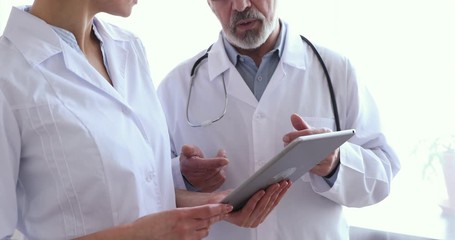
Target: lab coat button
[{"x": 149, "y": 176}]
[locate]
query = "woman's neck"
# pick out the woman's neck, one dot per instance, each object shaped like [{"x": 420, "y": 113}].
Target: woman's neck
[{"x": 71, "y": 15}]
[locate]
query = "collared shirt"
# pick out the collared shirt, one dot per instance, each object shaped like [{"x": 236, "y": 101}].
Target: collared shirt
[
  {"x": 68, "y": 37},
  {"x": 256, "y": 77},
  {"x": 78, "y": 155}
]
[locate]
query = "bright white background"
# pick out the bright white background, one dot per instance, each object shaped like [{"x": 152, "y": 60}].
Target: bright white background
[{"x": 403, "y": 49}]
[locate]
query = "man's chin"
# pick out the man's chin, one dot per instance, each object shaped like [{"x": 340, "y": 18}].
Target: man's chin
[{"x": 247, "y": 41}]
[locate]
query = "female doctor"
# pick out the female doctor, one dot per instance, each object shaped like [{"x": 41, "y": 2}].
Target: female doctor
[
  {"x": 238, "y": 96},
  {"x": 83, "y": 139}
]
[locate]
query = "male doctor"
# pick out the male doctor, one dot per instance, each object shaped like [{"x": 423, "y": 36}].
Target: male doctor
[{"x": 259, "y": 87}]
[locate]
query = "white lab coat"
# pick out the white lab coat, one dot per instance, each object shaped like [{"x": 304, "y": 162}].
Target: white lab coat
[
  {"x": 251, "y": 133},
  {"x": 77, "y": 155}
]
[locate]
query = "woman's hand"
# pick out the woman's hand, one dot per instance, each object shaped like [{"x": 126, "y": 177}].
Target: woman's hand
[{"x": 181, "y": 223}]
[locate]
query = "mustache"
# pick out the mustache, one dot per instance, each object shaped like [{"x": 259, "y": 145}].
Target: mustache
[{"x": 249, "y": 13}]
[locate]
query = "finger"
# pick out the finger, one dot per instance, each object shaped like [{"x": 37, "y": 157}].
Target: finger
[
  {"x": 263, "y": 209},
  {"x": 214, "y": 182},
  {"x": 298, "y": 123},
  {"x": 273, "y": 194},
  {"x": 248, "y": 210},
  {"x": 206, "y": 223},
  {"x": 262, "y": 205},
  {"x": 318, "y": 171},
  {"x": 293, "y": 135},
  {"x": 322, "y": 170},
  {"x": 205, "y": 164},
  {"x": 212, "y": 213},
  {"x": 283, "y": 189},
  {"x": 214, "y": 178},
  {"x": 326, "y": 166},
  {"x": 221, "y": 153},
  {"x": 274, "y": 200},
  {"x": 201, "y": 233},
  {"x": 209, "y": 210},
  {"x": 205, "y": 181},
  {"x": 191, "y": 151}
]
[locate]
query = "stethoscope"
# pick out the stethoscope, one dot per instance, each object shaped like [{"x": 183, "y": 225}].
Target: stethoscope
[{"x": 209, "y": 122}]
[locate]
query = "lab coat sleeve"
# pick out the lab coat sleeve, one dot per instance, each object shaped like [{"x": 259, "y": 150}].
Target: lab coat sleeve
[
  {"x": 171, "y": 106},
  {"x": 368, "y": 163},
  {"x": 9, "y": 170},
  {"x": 176, "y": 174}
]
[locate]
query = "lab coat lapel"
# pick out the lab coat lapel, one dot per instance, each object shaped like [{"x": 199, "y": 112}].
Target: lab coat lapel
[
  {"x": 82, "y": 68},
  {"x": 113, "y": 50},
  {"x": 237, "y": 88},
  {"x": 44, "y": 44},
  {"x": 116, "y": 55},
  {"x": 219, "y": 64},
  {"x": 117, "y": 67},
  {"x": 294, "y": 58}
]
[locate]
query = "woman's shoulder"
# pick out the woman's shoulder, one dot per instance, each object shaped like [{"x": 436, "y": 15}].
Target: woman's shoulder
[{"x": 113, "y": 31}]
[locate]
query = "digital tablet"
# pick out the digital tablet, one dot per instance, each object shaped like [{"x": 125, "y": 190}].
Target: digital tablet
[{"x": 297, "y": 158}]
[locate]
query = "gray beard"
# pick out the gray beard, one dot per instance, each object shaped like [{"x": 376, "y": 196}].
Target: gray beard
[{"x": 253, "y": 38}]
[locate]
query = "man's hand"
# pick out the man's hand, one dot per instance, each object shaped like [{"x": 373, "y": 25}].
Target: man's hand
[
  {"x": 205, "y": 174},
  {"x": 326, "y": 166},
  {"x": 258, "y": 206}
]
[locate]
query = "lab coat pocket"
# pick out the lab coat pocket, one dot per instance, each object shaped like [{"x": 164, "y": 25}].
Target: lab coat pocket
[{"x": 320, "y": 122}]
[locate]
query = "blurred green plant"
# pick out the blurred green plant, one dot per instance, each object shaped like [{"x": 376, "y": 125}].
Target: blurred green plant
[{"x": 435, "y": 150}]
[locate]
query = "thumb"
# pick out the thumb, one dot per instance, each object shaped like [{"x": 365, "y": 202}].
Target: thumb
[
  {"x": 221, "y": 153},
  {"x": 191, "y": 151},
  {"x": 298, "y": 123}
]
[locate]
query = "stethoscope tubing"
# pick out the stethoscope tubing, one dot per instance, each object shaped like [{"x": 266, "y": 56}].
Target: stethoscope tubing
[{"x": 198, "y": 62}]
